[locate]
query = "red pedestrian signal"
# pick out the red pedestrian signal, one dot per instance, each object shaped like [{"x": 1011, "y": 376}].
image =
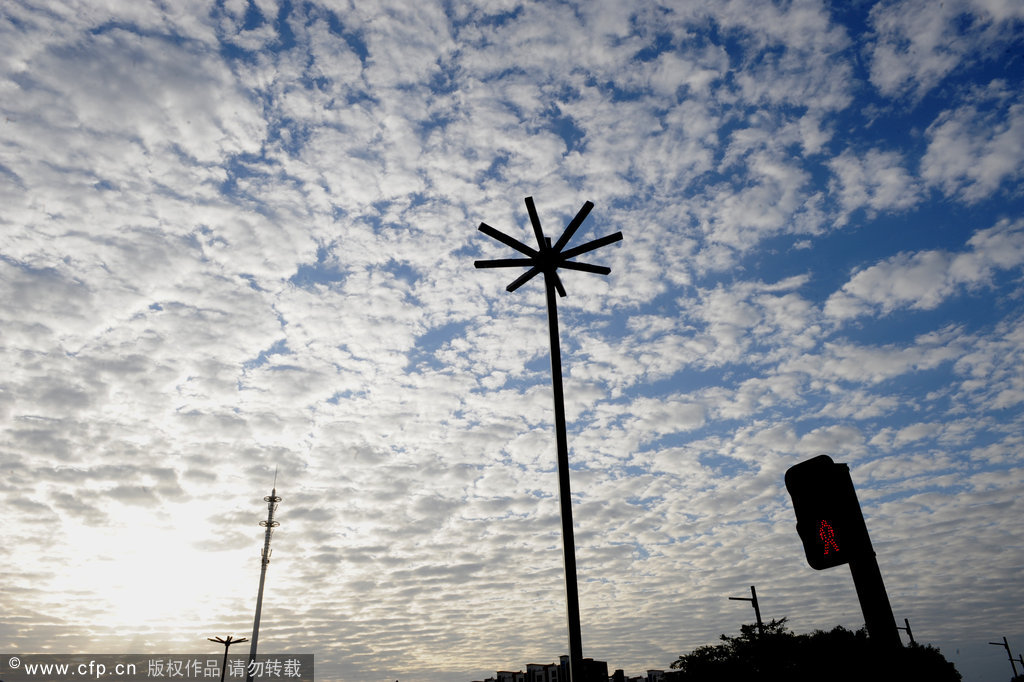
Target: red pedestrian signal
[
  {"x": 828, "y": 517},
  {"x": 827, "y": 535}
]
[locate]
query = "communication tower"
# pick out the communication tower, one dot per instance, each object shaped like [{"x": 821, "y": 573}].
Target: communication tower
[{"x": 270, "y": 524}]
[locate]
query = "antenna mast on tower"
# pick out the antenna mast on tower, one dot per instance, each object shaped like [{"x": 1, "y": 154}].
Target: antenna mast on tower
[{"x": 270, "y": 524}]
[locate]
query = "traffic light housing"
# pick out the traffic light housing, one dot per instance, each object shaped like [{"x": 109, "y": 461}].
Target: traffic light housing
[{"x": 828, "y": 516}]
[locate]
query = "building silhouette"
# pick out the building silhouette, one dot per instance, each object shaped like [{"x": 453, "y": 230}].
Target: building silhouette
[{"x": 593, "y": 671}]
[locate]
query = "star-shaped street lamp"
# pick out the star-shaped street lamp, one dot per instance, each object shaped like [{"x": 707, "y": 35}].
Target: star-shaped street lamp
[
  {"x": 227, "y": 644},
  {"x": 547, "y": 259}
]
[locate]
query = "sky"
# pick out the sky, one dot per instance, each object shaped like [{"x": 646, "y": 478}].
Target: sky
[{"x": 237, "y": 239}]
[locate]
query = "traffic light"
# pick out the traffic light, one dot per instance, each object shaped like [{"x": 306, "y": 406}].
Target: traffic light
[{"x": 828, "y": 516}]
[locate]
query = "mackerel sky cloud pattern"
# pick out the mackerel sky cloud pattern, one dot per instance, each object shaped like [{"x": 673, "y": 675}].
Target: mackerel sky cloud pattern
[{"x": 239, "y": 236}]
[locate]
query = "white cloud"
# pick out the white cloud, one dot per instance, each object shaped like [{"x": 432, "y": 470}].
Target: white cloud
[
  {"x": 119, "y": 79},
  {"x": 918, "y": 43},
  {"x": 923, "y": 280},
  {"x": 876, "y": 181},
  {"x": 227, "y": 248},
  {"x": 910, "y": 280},
  {"x": 856, "y": 364},
  {"x": 971, "y": 153},
  {"x": 772, "y": 197},
  {"x": 990, "y": 369}
]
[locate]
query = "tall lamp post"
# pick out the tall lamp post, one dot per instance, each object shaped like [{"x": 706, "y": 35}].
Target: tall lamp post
[
  {"x": 227, "y": 643},
  {"x": 910, "y": 633},
  {"x": 1006, "y": 645},
  {"x": 546, "y": 259},
  {"x": 757, "y": 609}
]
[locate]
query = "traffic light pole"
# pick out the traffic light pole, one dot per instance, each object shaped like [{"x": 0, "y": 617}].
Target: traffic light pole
[
  {"x": 867, "y": 579},
  {"x": 874, "y": 601}
]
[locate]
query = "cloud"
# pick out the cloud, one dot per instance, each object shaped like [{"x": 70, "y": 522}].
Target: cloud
[
  {"x": 876, "y": 181},
  {"x": 238, "y": 238},
  {"x": 989, "y": 370},
  {"x": 917, "y": 43},
  {"x": 924, "y": 279},
  {"x": 847, "y": 362},
  {"x": 152, "y": 85},
  {"x": 973, "y": 150}
]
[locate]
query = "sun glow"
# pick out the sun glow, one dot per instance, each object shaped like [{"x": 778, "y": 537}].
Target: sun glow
[{"x": 145, "y": 571}]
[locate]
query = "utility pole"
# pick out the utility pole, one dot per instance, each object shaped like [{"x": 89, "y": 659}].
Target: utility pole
[
  {"x": 1006, "y": 645},
  {"x": 547, "y": 259},
  {"x": 270, "y": 524},
  {"x": 227, "y": 643},
  {"x": 757, "y": 611}
]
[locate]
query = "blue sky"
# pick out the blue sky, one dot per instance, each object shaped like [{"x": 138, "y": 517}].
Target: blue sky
[{"x": 238, "y": 237}]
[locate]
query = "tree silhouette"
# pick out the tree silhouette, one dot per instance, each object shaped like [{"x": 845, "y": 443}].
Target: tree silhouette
[{"x": 839, "y": 655}]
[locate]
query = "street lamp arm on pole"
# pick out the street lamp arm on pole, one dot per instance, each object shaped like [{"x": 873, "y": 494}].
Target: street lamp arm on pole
[
  {"x": 586, "y": 267},
  {"x": 523, "y": 279},
  {"x": 507, "y": 240},
  {"x": 574, "y": 225},
  {"x": 590, "y": 246},
  {"x": 538, "y": 231}
]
